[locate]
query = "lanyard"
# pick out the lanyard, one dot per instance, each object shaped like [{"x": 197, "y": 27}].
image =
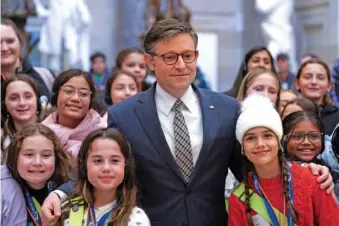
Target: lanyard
[
  {"x": 268, "y": 205},
  {"x": 92, "y": 218},
  {"x": 33, "y": 206}
]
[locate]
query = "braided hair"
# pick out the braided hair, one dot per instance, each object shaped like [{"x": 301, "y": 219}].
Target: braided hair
[{"x": 249, "y": 170}]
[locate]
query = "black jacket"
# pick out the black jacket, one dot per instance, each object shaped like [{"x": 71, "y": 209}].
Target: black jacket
[
  {"x": 28, "y": 69},
  {"x": 329, "y": 115}
]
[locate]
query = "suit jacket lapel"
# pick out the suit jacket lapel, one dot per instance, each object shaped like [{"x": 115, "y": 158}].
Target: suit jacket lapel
[
  {"x": 210, "y": 126},
  {"x": 147, "y": 114}
]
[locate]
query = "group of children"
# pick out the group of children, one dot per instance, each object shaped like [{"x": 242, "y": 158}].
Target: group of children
[
  {"x": 73, "y": 143},
  {"x": 308, "y": 134},
  {"x": 105, "y": 188}
]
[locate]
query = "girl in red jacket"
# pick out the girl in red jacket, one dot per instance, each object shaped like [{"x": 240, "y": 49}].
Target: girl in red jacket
[{"x": 274, "y": 191}]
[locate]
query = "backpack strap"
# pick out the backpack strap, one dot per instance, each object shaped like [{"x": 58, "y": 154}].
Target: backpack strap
[
  {"x": 46, "y": 76},
  {"x": 77, "y": 211},
  {"x": 257, "y": 203}
]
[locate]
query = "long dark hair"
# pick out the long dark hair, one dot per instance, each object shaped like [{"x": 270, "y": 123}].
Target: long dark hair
[
  {"x": 7, "y": 122},
  {"x": 65, "y": 77},
  {"x": 115, "y": 73},
  {"x": 126, "y": 191},
  {"x": 292, "y": 119},
  {"x": 123, "y": 54},
  {"x": 249, "y": 170},
  {"x": 243, "y": 69},
  {"x": 60, "y": 174}
]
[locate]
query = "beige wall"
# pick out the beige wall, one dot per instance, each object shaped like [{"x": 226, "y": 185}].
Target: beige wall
[{"x": 319, "y": 22}]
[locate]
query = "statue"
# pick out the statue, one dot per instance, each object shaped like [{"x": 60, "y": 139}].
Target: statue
[
  {"x": 153, "y": 13},
  {"x": 174, "y": 9},
  {"x": 276, "y": 27},
  {"x": 64, "y": 38}
]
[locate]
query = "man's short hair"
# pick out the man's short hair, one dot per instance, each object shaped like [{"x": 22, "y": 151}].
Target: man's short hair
[
  {"x": 282, "y": 56},
  {"x": 96, "y": 55},
  {"x": 165, "y": 29}
]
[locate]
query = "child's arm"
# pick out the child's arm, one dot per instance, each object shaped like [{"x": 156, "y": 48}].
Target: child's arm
[{"x": 51, "y": 208}]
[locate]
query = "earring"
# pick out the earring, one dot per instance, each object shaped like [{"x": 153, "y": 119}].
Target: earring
[
  {"x": 242, "y": 151},
  {"x": 7, "y": 115}
]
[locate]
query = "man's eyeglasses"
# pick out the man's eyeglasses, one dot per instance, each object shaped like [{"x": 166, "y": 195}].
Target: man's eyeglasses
[
  {"x": 299, "y": 137},
  {"x": 172, "y": 58},
  {"x": 70, "y": 91}
]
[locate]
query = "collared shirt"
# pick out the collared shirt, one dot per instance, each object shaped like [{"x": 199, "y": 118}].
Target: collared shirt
[{"x": 192, "y": 114}]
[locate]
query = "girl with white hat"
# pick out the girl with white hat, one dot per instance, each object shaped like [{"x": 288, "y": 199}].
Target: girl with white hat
[{"x": 274, "y": 191}]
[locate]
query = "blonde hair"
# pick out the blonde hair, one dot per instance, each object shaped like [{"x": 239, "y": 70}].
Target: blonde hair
[
  {"x": 250, "y": 78},
  {"x": 288, "y": 91}
]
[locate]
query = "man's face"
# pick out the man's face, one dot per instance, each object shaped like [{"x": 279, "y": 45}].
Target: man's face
[
  {"x": 98, "y": 65},
  {"x": 282, "y": 65},
  {"x": 177, "y": 77}
]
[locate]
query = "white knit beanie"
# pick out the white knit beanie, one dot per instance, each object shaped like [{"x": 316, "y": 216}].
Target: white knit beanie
[{"x": 258, "y": 111}]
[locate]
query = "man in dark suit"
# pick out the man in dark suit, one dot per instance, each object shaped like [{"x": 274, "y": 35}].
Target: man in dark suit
[
  {"x": 182, "y": 137},
  {"x": 181, "y": 174}
]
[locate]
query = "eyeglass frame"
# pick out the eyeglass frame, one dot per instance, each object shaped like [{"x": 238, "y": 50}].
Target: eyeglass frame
[
  {"x": 76, "y": 90},
  {"x": 177, "y": 54},
  {"x": 288, "y": 138}
]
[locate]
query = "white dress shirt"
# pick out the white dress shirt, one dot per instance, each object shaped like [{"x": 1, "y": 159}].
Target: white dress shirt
[
  {"x": 192, "y": 114},
  {"x": 193, "y": 117}
]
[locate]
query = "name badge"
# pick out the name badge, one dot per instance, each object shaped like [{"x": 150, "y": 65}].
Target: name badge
[{"x": 259, "y": 221}]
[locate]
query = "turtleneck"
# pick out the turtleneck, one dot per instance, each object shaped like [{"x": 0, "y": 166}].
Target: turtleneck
[{"x": 39, "y": 194}]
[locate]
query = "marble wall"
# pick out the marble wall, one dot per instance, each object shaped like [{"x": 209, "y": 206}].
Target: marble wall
[
  {"x": 104, "y": 35},
  {"x": 316, "y": 27},
  {"x": 224, "y": 18},
  {"x": 319, "y": 23}
]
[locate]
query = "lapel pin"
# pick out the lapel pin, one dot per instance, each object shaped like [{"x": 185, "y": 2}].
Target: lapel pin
[{"x": 211, "y": 107}]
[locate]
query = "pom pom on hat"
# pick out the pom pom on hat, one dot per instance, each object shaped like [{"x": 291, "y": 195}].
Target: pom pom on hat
[
  {"x": 258, "y": 111},
  {"x": 254, "y": 100}
]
